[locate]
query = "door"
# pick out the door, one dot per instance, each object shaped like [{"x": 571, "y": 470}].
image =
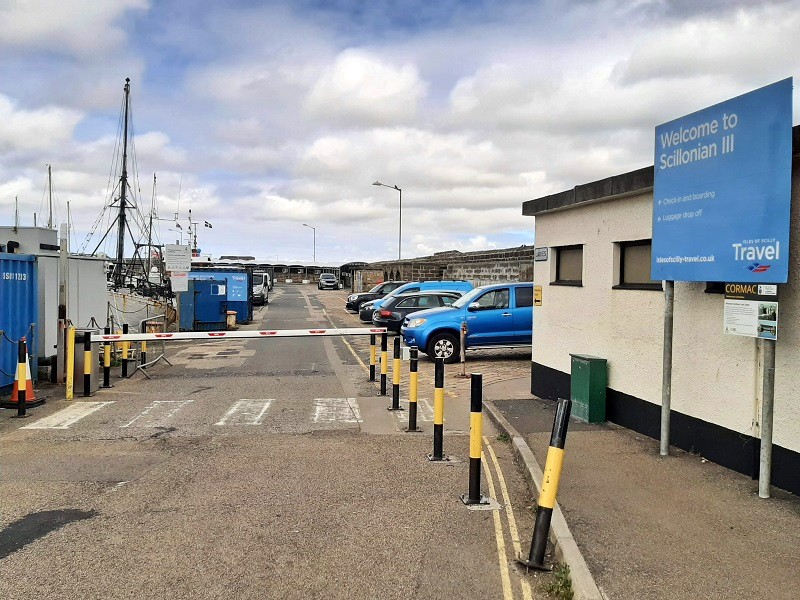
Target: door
[
  {"x": 209, "y": 304},
  {"x": 523, "y": 314},
  {"x": 490, "y": 321}
]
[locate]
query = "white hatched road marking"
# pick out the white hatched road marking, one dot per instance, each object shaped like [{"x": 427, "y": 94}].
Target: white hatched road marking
[
  {"x": 424, "y": 410},
  {"x": 67, "y": 416},
  {"x": 246, "y": 412},
  {"x": 214, "y": 355},
  {"x": 343, "y": 410},
  {"x": 158, "y": 413}
]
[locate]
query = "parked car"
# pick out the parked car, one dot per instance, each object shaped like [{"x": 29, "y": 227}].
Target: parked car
[
  {"x": 328, "y": 281},
  {"x": 354, "y": 301},
  {"x": 260, "y": 288},
  {"x": 365, "y": 314},
  {"x": 498, "y": 315},
  {"x": 393, "y": 310}
]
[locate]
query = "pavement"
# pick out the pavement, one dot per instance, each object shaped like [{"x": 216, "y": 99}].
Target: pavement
[{"x": 652, "y": 527}]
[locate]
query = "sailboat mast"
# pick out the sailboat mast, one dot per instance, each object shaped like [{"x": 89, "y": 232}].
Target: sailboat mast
[
  {"x": 50, "y": 188},
  {"x": 119, "y": 271},
  {"x": 150, "y": 230}
]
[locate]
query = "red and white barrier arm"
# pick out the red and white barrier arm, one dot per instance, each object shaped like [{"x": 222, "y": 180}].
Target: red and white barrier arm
[{"x": 228, "y": 335}]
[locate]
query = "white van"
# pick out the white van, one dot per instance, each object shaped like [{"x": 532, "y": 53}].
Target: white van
[{"x": 261, "y": 287}]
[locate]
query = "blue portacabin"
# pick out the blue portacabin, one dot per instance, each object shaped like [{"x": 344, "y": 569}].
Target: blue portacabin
[
  {"x": 722, "y": 191},
  {"x": 19, "y": 310}
]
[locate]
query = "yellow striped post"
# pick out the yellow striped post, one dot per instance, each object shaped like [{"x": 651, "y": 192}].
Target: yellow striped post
[
  {"x": 475, "y": 437},
  {"x": 70, "y": 359},
  {"x": 143, "y": 354},
  {"x": 396, "y": 366},
  {"x": 87, "y": 363},
  {"x": 413, "y": 389},
  {"x": 107, "y": 360},
  {"x": 384, "y": 361},
  {"x": 550, "y": 481},
  {"x": 126, "y": 349},
  {"x": 22, "y": 378},
  {"x": 438, "y": 411},
  {"x": 372, "y": 356}
]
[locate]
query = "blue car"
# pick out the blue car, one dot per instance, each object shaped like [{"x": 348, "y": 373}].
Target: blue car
[{"x": 498, "y": 315}]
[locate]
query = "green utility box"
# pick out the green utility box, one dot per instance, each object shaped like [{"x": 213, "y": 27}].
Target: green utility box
[{"x": 588, "y": 388}]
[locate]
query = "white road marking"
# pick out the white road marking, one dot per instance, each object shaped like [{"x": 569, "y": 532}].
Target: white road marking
[
  {"x": 158, "y": 413},
  {"x": 343, "y": 410},
  {"x": 67, "y": 416},
  {"x": 424, "y": 410},
  {"x": 246, "y": 412},
  {"x": 213, "y": 355}
]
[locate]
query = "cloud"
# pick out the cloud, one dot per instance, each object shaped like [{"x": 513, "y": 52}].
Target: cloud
[
  {"x": 363, "y": 89},
  {"x": 80, "y": 27},
  {"x": 39, "y": 129}
]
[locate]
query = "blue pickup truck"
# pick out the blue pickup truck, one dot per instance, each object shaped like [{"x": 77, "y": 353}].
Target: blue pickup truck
[{"x": 498, "y": 315}]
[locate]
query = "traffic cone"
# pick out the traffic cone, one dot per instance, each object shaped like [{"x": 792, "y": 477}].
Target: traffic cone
[{"x": 30, "y": 396}]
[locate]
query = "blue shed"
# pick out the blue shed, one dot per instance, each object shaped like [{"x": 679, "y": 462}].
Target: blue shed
[
  {"x": 238, "y": 289},
  {"x": 19, "y": 312}
]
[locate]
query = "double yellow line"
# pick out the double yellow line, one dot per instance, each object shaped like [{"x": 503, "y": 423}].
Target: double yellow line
[{"x": 503, "y": 558}]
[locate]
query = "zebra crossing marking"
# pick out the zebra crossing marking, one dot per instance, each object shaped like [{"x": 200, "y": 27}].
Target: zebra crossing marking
[
  {"x": 158, "y": 413},
  {"x": 68, "y": 416},
  {"x": 246, "y": 412},
  {"x": 424, "y": 411},
  {"x": 343, "y": 410}
]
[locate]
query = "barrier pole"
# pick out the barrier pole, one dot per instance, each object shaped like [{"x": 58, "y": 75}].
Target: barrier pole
[
  {"x": 372, "y": 357},
  {"x": 107, "y": 360},
  {"x": 413, "y": 389},
  {"x": 550, "y": 480},
  {"x": 87, "y": 363},
  {"x": 22, "y": 379},
  {"x": 126, "y": 348},
  {"x": 396, "y": 366},
  {"x": 143, "y": 354},
  {"x": 475, "y": 437},
  {"x": 438, "y": 411},
  {"x": 384, "y": 361},
  {"x": 70, "y": 393}
]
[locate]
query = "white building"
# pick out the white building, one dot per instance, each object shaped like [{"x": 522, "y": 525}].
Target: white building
[{"x": 597, "y": 299}]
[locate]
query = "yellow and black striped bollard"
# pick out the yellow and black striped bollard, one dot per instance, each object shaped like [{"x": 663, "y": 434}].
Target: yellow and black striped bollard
[
  {"x": 475, "y": 437},
  {"x": 438, "y": 411},
  {"x": 126, "y": 348},
  {"x": 22, "y": 379},
  {"x": 107, "y": 360},
  {"x": 413, "y": 389},
  {"x": 550, "y": 480},
  {"x": 143, "y": 355},
  {"x": 396, "y": 366},
  {"x": 384, "y": 361},
  {"x": 87, "y": 363},
  {"x": 372, "y": 357}
]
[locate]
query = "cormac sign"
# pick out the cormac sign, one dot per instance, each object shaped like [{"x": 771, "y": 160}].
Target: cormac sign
[{"x": 722, "y": 192}]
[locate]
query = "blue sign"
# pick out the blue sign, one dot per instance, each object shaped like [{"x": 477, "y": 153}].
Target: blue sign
[{"x": 722, "y": 193}]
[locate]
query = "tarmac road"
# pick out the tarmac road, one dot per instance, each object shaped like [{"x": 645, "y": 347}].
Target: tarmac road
[{"x": 253, "y": 469}]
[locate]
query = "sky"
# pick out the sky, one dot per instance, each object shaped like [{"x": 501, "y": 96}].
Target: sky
[{"x": 262, "y": 116}]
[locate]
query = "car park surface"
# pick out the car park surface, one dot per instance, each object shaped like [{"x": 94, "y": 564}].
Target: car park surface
[
  {"x": 499, "y": 315},
  {"x": 396, "y": 308}
]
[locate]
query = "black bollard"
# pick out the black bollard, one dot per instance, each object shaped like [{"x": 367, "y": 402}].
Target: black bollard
[
  {"x": 372, "y": 357},
  {"x": 438, "y": 411},
  {"x": 413, "y": 388},
  {"x": 125, "y": 349},
  {"x": 384, "y": 361},
  {"x": 396, "y": 365},
  {"x": 22, "y": 379},
  {"x": 475, "y": 441},
  {"x": 550, "y": 480}
]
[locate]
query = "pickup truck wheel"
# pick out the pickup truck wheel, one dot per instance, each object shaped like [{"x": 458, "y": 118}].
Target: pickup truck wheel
[{"x": 444, "y": 345}]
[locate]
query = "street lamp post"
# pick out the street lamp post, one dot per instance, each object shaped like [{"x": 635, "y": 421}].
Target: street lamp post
[
  {"x": 314, "y": 229},
  {"x": 400, "y": 218}
]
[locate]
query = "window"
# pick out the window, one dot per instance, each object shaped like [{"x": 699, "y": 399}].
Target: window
[
  {"x": 408, "y": 303},
  {"x": 569, "y": 265},
  {"x": 448, "y": 300},
  {"x": 493, "y": 299},
  {"x": 524, "y": 296},
  {"x": 634, "y": 266}
]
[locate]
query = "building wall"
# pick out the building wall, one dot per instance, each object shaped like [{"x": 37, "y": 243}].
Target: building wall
[{"x": 716, "y": 382}]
